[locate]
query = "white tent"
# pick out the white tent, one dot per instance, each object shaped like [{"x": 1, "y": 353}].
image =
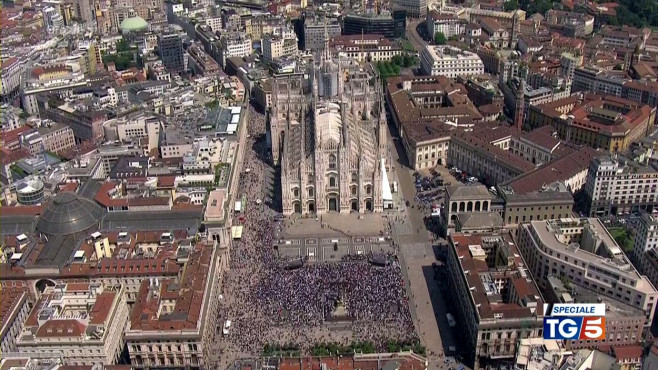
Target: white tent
[{"x": 387, "y": 195}]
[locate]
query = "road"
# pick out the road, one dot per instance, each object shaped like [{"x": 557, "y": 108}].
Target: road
[
  {"x": 413, "y": 36},
  {"x": 237, "y": 164},
  {"x": 417, "y": 255}
]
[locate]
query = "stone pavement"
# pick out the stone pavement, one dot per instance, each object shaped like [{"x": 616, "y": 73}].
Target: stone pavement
[{"x": 334, "y": 224}]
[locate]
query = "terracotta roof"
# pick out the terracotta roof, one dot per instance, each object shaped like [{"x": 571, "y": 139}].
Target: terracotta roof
[
  {"x": 188, "y": 295},
  {"x": 21, "y": 210},
  {"x": 628, "y": 352},
  {"x": 558, "y": 170},
  {"x": 61, "y": 328},
  {"x": 10, "y": 299},
  {"x": 101, "y": 310},
  {"x": 69, "y": 187},
  {"x": 542, "y": 136},
  {"x": 14, "y": 135}
]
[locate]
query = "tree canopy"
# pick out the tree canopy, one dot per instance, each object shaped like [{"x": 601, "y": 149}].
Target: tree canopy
[{"x": 440, "y": 38}]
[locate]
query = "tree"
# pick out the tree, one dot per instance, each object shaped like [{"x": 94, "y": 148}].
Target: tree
[
  {"x": 440, "y": 38},
  {"x": 511, "y": 5},
  {"x": 617, "y": 67},
  {"x": 397, "y": 59}
]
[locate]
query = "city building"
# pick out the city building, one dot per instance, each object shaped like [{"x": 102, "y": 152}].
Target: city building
[
  {"x": 623, "y": 323},
  {"x": 571, "y": 24},
  {"x": 582, "y": 251},
  {"x": 497, "y": 302},
  {"x": 646, "y": 239},
  {"x": 371, "y": 23},
  {"x": 598, "y": 80},
  {"x": 14, "y": 309},
  {"x": 335, "y": 174},
  {"x": 551, "y": 202},
  {"x": 316, "y": 31},
  {"x": 174, "y": 321},
  {"x": 365, "y": 48},
  {"x": 449, "y": 25},
  {"x": 234, "y": 44},
  {"x": 275, "y": 47},
  {"x": 414, "y": 8},
  {"x": 484, "y": 153},
  {"x": 601, "y": 122},
  {"x": 619, "y": 186},
  {"x": 461, "y": 200},
  {"x": 12, "y": 69},
  {"x": 49, "y": 136},
  {"x": 83, "y": 322},
  {"x": 449, "y": 61},
  {"x": 170, "y": 49},
  {"x": 425, "y": 109},
  {"x": 200, "y": 62}
]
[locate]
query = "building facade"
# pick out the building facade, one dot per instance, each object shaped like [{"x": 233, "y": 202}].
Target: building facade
[
  {"x": 497, "y": 302},
  {"x": 618, "y": 186},
  {"x": 449, "y": 61},
  {"x": 83, "y": 322},
  {"x": 170, "y": 48}
]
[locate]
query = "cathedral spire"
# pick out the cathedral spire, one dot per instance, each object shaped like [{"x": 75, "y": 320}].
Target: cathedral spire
[{"x": 326, "y": 54}]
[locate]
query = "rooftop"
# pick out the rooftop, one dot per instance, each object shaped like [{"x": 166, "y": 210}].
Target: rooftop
[{"x": 475, "y": 253}]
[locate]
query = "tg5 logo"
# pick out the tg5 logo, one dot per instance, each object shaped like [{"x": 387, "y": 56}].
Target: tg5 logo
[{"x": 574, "y": 328}]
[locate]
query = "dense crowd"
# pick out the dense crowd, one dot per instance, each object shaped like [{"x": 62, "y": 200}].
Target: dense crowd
[{"x": 268, "y": 303}]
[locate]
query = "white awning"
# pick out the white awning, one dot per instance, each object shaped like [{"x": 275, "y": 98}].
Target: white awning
[
  {"x": 387, "y": 196},
  {"x": 236, "y": 232},
  {"x": 238, "y": 206}
]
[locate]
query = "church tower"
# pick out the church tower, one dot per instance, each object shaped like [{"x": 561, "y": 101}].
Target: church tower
[{"x": 520, "y": 105}]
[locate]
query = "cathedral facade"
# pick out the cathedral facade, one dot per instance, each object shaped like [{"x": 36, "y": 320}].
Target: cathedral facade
[{"x": 328, "y": 136}]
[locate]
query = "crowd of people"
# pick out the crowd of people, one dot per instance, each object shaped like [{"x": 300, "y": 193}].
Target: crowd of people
[{"x": 268, "y": 302}]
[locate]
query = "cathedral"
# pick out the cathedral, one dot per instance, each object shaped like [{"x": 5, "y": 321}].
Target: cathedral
[{"x": 328, "y": 132}]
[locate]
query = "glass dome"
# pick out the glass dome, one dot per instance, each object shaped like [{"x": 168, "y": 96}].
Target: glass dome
[{"x": 68, "y": 214}]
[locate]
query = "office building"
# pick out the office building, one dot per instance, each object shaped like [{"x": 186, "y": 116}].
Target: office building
[
  {"x": 15, "y": 307},
  {"x": 170, "y": 49},
  {"x": 449, "y": 25},
  {"x": 599, "y": 80},
  {"x": 582, "y": 251},
  {"x": 414, "y": 8},
  {"x": 497, "y": 302},
  {"x": 12, "y": 69},
  {"x": 619, "y": 186},
  {"x": 315, "y": 32},
  {"x": 370, "y": 23},
  {"x": 646, "y": 239},
  {"x": 449, "y": 61}
]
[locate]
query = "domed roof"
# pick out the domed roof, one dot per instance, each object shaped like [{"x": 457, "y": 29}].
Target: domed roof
[
  {"x": 68, "y": 214},
  {"x": 133, "y": 24}
]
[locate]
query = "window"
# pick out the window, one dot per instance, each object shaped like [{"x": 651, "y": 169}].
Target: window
[
  {"x": 295, "y": 192},
  {"x": 355, "y": 177},
  {"x": 368, "y": 189},
  {"x": 332, "y": 181},
  {"x": 310, "y": 192},
  {"x": 332, "y": 162}
]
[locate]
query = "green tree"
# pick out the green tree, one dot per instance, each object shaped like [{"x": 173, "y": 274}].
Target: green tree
[
  {"x": 511, "y": 5},
  {"x": 440, "y": 38},
  {"x": 397, "y": 60}
]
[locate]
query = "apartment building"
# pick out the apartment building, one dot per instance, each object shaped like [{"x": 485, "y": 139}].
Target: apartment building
[
  {"x": 234, "y": 44},
  {"x": 49, "y": 78},
  {"x": 497, "y": 301},
  {"x": 15, "y": 307},
  {"x": 200, "y": 62},
  {"x": 449, "y": 61},
  {"x": 598, "y": 80},
  {"x": 365, "y": 48},
  {"x": 12, "y": 69},
  {"x": 646, "y": 239},
  {"x": 85, "y": 121},
  {"x": 180, "y": 332},
  {"x": 275, "y": 47},
  {"x": 82, "y": 322},
  {"x": 449, "y": 25},
  {"x": 583, "y": 251},
  {"x": 623, "y": 323},
  {"x": 50, "y": 136},
  {"x": 618, "y": 186}
]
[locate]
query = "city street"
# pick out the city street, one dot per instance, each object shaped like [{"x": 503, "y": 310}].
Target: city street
[
  {"x": 417, "y": 254},
  {"x": 412, "y": 34}
]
